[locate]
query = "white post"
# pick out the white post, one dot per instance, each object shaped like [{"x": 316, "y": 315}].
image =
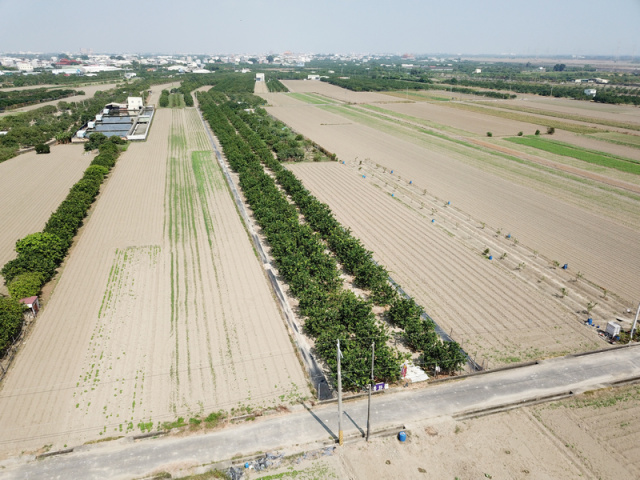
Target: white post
[
  {"x": 634, "y": 323},
  {"x": 340, "y": 437}
]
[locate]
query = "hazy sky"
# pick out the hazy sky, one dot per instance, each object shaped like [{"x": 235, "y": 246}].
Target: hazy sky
[{"x": 538, "y": 27}]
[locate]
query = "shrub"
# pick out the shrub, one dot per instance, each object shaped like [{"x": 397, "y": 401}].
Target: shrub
[
  {"x": 11, "y": 318},
  {"x": 95, "y": 140},
  {"x": 537, "y": 132},
  {"x": 551, "y": 130},
  {"x": 519, "y": 134},
  {"x": 489, "y": 134},
  {"x": 26, "y": 285},
  {"x": 38, "y": 252},
  {"x": 42, "y": 148}
]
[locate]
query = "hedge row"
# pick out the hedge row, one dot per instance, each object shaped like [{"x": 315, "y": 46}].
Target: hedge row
[
  {"x": 356, "y": 260},
  {"x": 312, "y": 275}
]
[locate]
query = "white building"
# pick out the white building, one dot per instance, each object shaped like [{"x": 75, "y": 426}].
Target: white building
[
  {"x": 25, "y": 67},
  {"x": 589, "y": 91},
  {"x": 134, "y": 103},
  {"x": 313, "y": 77},
  {"x": 259, "y": 77}
]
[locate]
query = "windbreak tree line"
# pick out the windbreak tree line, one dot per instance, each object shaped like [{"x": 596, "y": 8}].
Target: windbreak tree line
[
  {"x": 604, "y": 95},
  {"x": 299, "y": 252},
  {"x": 21, "y": 98},
  {"x": 41, "y": 253},
  {"x": 378, "y": 84}
]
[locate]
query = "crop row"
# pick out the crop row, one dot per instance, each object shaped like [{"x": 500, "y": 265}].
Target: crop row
[{"x": 419, "y": 332}]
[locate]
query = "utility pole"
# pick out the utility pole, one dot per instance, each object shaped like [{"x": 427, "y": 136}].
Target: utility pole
[
  {"x": 339, "y": 396},
  {"x": 634, "y": 323},
  {"x": 373, "y": 353}
]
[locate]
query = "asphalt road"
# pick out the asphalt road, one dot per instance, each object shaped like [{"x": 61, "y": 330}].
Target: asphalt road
[{"x": 305, "y": 427}]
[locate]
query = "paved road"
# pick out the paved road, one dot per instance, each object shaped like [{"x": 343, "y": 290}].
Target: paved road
[{"x": 127, "y": 459}]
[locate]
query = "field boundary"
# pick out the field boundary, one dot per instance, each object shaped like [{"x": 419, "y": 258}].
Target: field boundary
[{"x": 315, "y": 372}]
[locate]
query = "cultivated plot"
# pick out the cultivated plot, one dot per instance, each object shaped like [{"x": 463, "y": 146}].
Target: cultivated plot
[
  {"x": 494, "y": 312},
  {"x": 572, "y": 220},
  {"x": 31, "y": 187},
  {"x": 162, "y": 309}
]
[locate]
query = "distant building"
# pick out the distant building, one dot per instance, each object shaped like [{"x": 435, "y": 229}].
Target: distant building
[
  {"x": 313, "y": 77},
  {"x": 259, "y": 77},
  {"x": 477, "y": 70},
  {"x": 590, "y": 91}
]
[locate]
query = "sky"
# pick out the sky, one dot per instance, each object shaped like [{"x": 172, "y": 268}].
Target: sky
[{"x": 467, "y": 27}]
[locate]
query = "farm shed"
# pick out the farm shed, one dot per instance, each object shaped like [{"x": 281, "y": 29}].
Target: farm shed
[
  {"x": 313, "y": 77},
  {"x": 259, "y": 77},
  {"x": 32, "y": 304},
  {"x": 589, "y": 91}
]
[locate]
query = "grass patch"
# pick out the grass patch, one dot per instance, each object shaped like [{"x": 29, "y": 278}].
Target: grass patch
[
  {"x": 590, "y": 156},
  {"x": 214, "y": 418},
  {"x": 175, "y": 424},
  {"x": 303, "y": 97},
  {"x": 176, "y": 100},
  {"x": 618, "y": 138}
]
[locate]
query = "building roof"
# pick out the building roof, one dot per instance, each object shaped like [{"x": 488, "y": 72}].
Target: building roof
[{"x": 29, "y": 300}]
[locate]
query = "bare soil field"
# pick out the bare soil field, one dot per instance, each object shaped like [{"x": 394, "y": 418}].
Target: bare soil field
[
  {"x": 494, "y": 310},
  {"x": 470, "y": 123},
  {"x": 337, "y": 93},
  {"x": 31, "y": 187},
  {"x": 162, "y": 310},
  {"x": 89, "y": 91},
  {"x": 572, "y": 221},
  {"x": 590, "y": 436}
]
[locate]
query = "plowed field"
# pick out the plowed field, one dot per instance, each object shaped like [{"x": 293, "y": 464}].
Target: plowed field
[
  {"x": 592, "y": 229},
  {"x": 31, "y": 187},
  {"x": 162, "y": 310}
]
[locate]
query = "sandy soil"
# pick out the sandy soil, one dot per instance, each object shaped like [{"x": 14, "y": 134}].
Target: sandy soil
[
  {"x": 31, "y": 187},
  {"x": 496, "y": 312},
  {"x": 161, "y": 311},
  {"x": 337, "y": 93},
  {"x": 89, "y": 91},
  {"x": 469, "y": 122},
  {"x": 261, "y": 87},
  {"x": 618, "y": 113},
  {"x": 571, "y": 228},
  {"x": 591, "y": 436}
]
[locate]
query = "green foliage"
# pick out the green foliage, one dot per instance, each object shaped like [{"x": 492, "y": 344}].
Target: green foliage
[
  {"x": 95, "y": 140},
  {"x": 551, "y": 130},
  {"x": 42, "y": 148},
  {"x": 26, "y": 285},
  {"x": 604, "y": 159},
  {"x": 22, "y": 98},
  {"x": 489, "y": 134},
  {"x": 38, "y": 252},
  {"x": 11, "y": 319},
  {"x": 248, "y": 141},
  {"x": 164, "y": 99}
]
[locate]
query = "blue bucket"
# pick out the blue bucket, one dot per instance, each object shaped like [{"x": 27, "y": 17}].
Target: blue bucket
[
  {"x": 490, "y": 257},
  {"x": 590, "y": 321},
  {"x": 402, "y": 436},
  {"x": 391, "y": 171},
  {"x": 433, "y": 220}
]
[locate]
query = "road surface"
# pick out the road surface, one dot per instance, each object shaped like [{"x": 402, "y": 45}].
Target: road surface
[{"x": 306, "y": 427}]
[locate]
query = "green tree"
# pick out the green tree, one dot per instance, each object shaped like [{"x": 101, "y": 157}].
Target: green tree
[
  {"x": 26, "y": 285},
  {"x": 11, "y": 319},
  {"x": 559, "y": 67},
  {"x": 42, "y": 148}
]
